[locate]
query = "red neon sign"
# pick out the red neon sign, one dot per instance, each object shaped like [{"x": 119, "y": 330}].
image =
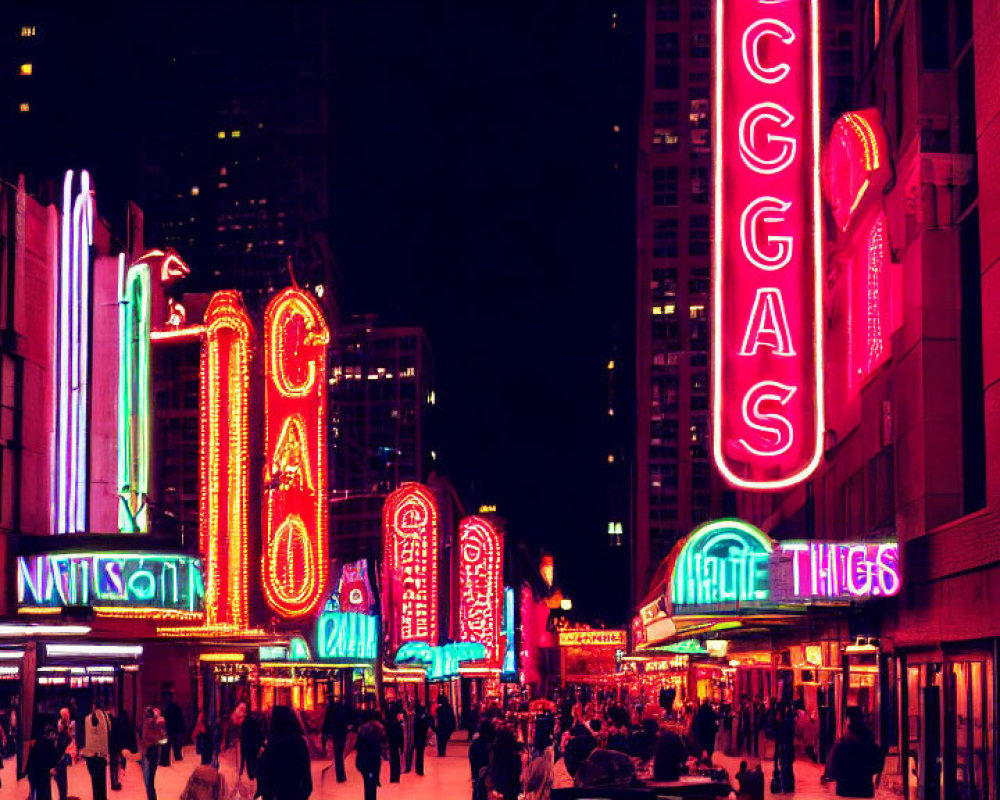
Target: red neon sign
[
  {"x": 767, "y": 276},
  {"x": 480, "y": 583},
  {"x": 295, "y": 565},
  {"x": 410, "y": 542}
]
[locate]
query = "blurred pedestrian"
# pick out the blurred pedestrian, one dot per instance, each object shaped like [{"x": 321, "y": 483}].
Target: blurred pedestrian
[
  {"x": 337, "y": 722},
  {"x": 856, "y": 759},
  {"x": 175, "y": 725},
  {"x": 704, "y": 728},
  {"x": 204, "y": 783},
  {"x": 422, "y": 723},
  {"x": 395, "y": 720},
  {"x": 284, "y": 771},
  {"x": 538, "y": 778},
  {"x": 154, "y": 737},
  {"x": 251, "y": 741},
  {"x": 371, "y": 740},
  {"x": 445, "y": 726},
  {"x": 66, "y": 746},
  {"x": 42, "y": 760},
  {"x": 96, "y": 748}
]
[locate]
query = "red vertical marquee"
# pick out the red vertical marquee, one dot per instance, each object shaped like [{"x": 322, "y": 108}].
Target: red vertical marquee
[
  {"x": 767, "y": 256},
  {"x": 410, "y": 543},
  {"x": 295, "y": 568},
  {"x": 480, "y": 583}
]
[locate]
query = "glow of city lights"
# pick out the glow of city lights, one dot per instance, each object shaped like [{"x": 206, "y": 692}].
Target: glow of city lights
[
  {"x": 92, "y": 649},
  {"x": 295, "y": 562},
  {"x": 480, "y": 583},
  {"x": 767, "y": 393},
  {"x": 722, "y": 562}
]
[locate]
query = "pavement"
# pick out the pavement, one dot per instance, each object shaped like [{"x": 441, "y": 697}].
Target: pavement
[{"x": 444, "y": 779}]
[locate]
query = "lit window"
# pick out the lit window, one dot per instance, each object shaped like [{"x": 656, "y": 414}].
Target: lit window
[
  {"x": 697, "y": 312},
  {"x": 611, "y": 458},
  {"x": 27, "y": 31},
  {"x": 657, "y": 310},
  {"x": 669, "y": 309},
  {"x": 611, "y": 412},
  {"x": 24, "y": 108},
  {"x": 221, "y": 134},
  {"x": 222, "y": 171},
  {"x": 195, "y": 191},
  {"x": 611, "y": 364},
  {"x": 235, "y": 134},
  {"x": 26, "y": 68}
]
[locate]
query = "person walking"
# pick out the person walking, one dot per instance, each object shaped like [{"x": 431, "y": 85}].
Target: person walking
[
  {"x": 371, "y": 739},
  {"x": 204, "y": 783},
  {"x": 284, "y": 771},
  {"x": 856, "y": 758},
  {"x": 394, "y": 730},
  {"x": 504, "y": 770},
  {"x": 152, "y": 738},
  {"x": 421, "y": 725},
  {"x": 704, "y": 728},
  {"x": 251, "y": 740},
  {"x": 479, "y": 750},
  {"x": 42, "y": 760},
  {"x": 95, "y": 750},
  {"x": 65, "y": 744},
  {"x": 445, "y": 726},
  {"x": 337, "y": 721},
  {"x": 122, "y": 738},
  {"x": 175, "y": 726}
]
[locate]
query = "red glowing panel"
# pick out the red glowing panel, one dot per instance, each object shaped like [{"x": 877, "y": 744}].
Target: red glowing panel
[
  {"x": 295, "y": 557},
  {"x": 480, "y": 583},
  {"x": 224, "y": 418},
  {"x": 767, "y": 323},
  {"x": 410, "y": 542}
]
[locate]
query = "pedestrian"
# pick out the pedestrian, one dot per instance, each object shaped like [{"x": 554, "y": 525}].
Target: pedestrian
[
  {"x": 670, "y": 755},
  {"x": 42, "y": 760},
  {"x": 338, "y": 720},
  {"x": 65, "y": 745},
  {"x": 504, "y": 771},
  {"x": 445, "y": 726},
  {"x": 371, "y": 739},
  {"x": 251, "y": 740},
  {"x": 704, "y": 727},
  {"x": 408, "y": 732},
  {"x": 479, "y": 750},
  {"x": 538, "y": 778},
  {"x": 284, "y": 771},
  {"x": 421, "y": 726},
  {"x": 395, "y": 720},
  {"x": 122, "y": 738},
  {"x": 96, "y": 748},
  {"x": 175, "y": 725},
  {"x": 856, "y": 758},
  {"x": 205, "y": 783},
  {"x": 152, "y": 739}
]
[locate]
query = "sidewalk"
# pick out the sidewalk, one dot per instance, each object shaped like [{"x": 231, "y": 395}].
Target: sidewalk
[{"x": 807, "y": 777}]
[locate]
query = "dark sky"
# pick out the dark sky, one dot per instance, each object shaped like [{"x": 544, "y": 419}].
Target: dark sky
[{"x": 475, "y": 196}]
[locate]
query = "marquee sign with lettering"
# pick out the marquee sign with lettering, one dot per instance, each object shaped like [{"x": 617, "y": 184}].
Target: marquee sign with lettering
[
  {"x": 767, "y": 259},
  {"x": 148, "y": 585},
  {"x": 817, "y": 571},
  {"x": 593, "y": 639},
  {"x": 442, "y": 661}
]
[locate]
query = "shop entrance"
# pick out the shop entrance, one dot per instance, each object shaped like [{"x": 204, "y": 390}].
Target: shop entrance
[{"x": 968, "y": 740}]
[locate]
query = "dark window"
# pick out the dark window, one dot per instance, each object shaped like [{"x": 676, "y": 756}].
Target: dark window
[
  {"x": 666, "y": 45},
  {"x": 668, "y": 10},
  {"x": 967, "y": 122},
  {"x": 963, "y": 23},
  {"x": 665, "y": 114},
  {"x": 897, "y": 56},
  {"x": 665, "y": 238},
  {"x": 665, "y": 186},
  {"x": 701, "y": 45},
  {"x": 667, "y": 70},
  {"x": 973, "y": 410},
  {"x": 666, "y": 76},
  {"x": 699, "y": 9},
  {"x": 698, "y": 235},
  {"x": 699, "y": 185},
  {"x": 935, "y": 33}
]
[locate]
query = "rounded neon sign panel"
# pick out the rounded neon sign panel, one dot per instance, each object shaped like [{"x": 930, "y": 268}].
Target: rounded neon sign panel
[{"x": 721, "y": 563}]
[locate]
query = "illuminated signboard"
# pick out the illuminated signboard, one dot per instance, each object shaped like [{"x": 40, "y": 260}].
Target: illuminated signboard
[
  {"x": 593, "y": 639},
  {"x": 440, "y": 662},
  {"x": 480, "y": 583},
  {"x": 509, "y": 667},
  {"x": 687, "y": 647},
  {"x": 113, "y": 584},
  {"x": 817, "y": 571},
  {"x": 72, "y": 371},
  {"x": 767, "y": 382},
  {"x": 410, "y": 544},
  {"x": 721, "y": 563},
  {"x": 295, "y": 505},
  {"x": 354, "y": 592},
  {"x": 347, "y": 635}
]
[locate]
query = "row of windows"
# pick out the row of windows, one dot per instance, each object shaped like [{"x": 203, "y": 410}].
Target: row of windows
[
  {"x": 665, "y": 237},
  {"x": 670, "y": 10},
  {"x": 665, "y": 185},
  {"x": 666, "y": 70}
]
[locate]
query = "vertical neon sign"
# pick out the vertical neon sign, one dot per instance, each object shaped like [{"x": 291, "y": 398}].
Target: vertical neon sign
[
  {"x": 767, "y": 257},
  {"x": 410, "y": 543},
  {"x": 69, "y": 507},
  {"x": 480, "y": 583},
  {"x": 295, "y": 564}
]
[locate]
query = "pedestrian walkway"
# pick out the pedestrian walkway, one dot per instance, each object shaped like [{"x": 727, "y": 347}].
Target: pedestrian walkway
[
  {"x": 807, "y": 777},
  {"x": 444, "y": 779}
]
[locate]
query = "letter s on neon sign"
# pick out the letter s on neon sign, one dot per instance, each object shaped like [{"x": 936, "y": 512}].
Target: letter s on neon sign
[
  {"x": 753, "y": 215},
  {"x": 771, "y": 424},
  {"x": 748, "y": 138},
  {"x": 751, "y": 52}
]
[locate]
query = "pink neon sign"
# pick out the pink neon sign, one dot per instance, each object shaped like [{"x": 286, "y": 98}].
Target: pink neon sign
[
  {"x": 767, "y": 309},
  {"x": 829, "y": 570}
]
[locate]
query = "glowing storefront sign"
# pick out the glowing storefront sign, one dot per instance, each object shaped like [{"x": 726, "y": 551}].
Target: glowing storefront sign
[
  {"x": 480, "y": 583},
  {"x": 440, "y": 662},
  {"x": 722, "y": 562},
  {"x": 509, "y": 667},
  {"x": 410, "y": 542},
  {"x": 347, "y": 635},
  {"x": 687, "y": 647},
  {"x": 832, "y": 570},
  {"x": 767, "y": 276},
  {"x": 72, "y": 372},
  {"x": 114, "y": 584},
  {"x": 295, "y": 505},
  {"x": 593, "y": 639}
]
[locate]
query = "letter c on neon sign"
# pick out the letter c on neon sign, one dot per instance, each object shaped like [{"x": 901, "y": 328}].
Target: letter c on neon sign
[
  {"x": 752, "y": 216},
  {"x": 780, "y": 429},
  {"x": 748, "y": 138},
  {"x": 751, "y": 49}
]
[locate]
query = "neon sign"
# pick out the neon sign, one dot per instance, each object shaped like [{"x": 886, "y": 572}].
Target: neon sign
[
  {"x": 72, "y": 339},
  {"x": 410, "y": 542},
  {"x": 722, "y": 562},
  {"x": 295, "y": 508},
  {"x": 509, "y": 668},
  {"x": 767, "y": 265},
  {"x": 114, "y": 584},
  {"x": 832, "y": 570},
  {"x": 347, "y": 635},
  {"x": 480, "y": 583},
  {"x": 593, "y": 639},
  {"x": 440, "y": 662}
]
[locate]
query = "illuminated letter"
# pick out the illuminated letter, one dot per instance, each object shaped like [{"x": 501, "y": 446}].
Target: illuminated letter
[
  {"x": 782, "y": 435},
  {"x": 752, "y": 217},
  {"x": 887, "y": 559},
  {"x": 857, "y": 557},
  {"x": 768, "y": 318},
  {"x": 749, "y": 138},
  {"x": 796, "y": 550},
  {"x": 480, "y": 583},
  {"x": 296, "y": 569},
  {"x": 751, "y": 54}
]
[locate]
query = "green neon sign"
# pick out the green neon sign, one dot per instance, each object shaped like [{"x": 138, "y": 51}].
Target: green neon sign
[
  {"x": 722, "y": 563},
  {"x": 440, "y": 662},
  {"x": 133, "y": 400},
  {"x": 688, "y": 647}
]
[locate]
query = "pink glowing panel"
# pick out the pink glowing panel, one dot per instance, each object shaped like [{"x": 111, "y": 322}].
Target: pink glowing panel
[
  {"x": 480, "y": 583},
  {"x": 767, "y": 309},
  {"x": 829, "y": 570}
]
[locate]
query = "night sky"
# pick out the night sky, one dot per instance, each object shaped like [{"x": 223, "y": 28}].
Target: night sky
[{"x": 475, "y": 195}]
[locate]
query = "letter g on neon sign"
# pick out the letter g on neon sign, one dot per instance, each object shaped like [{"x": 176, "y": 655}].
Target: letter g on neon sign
[
  {"x": 751, "y": 49},
  {"x": 753, "y": 216},
  {"x": 749, "y": 138}
]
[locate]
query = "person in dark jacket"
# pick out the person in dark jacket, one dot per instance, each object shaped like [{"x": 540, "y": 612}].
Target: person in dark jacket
[
  {"x": 175, "y": 725},
  {"x": 504, "y": 770},
  {"x": 421, "y": 725},
  {"x": 856, "y": 759},
  {"x": 670, "y": 754},
  {"x": 42, "y": 760},
  {"x": 445, "y": 724},
  {"x": 371, "y": 739},
  {"x": 121, "y": 738},
  {"x": 283, "y": 771},
  {"x": 337, "y": 721},
  {"x": 479, "y": 750},
  {"x": 395, "y": 720},
  {"x": 704, "y": 728},
  {"x": 251, "y": 740}
]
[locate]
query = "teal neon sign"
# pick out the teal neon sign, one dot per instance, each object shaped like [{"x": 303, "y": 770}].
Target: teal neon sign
[
  {"x": 509, "y": 669},
  {"x": 722, "y": 563},
  {"x": 440, "y": 662},
  {"x": 137, "y": 581},
  {"x": 688, "y": 647},
  {"x": 342, "y": 634}
]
